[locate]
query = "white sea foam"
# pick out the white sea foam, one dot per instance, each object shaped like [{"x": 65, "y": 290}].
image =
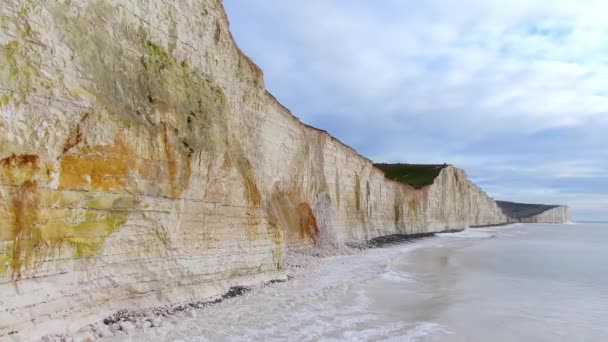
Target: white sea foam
[
  {"x": 397, "y": 276},
  {"x": 329, "y": 301},
  {"x": 386, "y": 295},
  {"x": 471, "y": 233},
  {"x": 420, "y": 332}
]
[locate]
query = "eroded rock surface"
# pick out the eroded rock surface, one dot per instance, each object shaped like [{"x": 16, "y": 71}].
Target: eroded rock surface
[
  {"x": 143, "y": 163},
  {"x": 559, "y": 214},
  {"x": 535, "y": 213}
]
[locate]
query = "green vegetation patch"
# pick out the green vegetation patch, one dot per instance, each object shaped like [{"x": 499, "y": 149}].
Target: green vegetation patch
[
  {"x": 416, "y": 175},
  {"x": 520, "y": 211}
]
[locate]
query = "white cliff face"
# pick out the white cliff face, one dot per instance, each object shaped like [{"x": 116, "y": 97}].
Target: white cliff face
[
  {"x": 560, "y": 214},
  {"x": 142, "y": 163}
]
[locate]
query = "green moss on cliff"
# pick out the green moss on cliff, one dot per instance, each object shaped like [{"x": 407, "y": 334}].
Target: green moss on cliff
[
  {"x": 156, "y": 58},
  {"x": 18, "y": 66},
  {"x": 519, "y": 211},
  {"x": 20, "y": 58},
  {"x": 134, "y": 76},
  {"x": 416, "y": 175}
]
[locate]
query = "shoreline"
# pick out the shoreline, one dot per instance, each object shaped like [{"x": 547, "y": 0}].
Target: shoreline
[
  {"x": 495, "y": 225},
  {"x": 124, "y": 323}
]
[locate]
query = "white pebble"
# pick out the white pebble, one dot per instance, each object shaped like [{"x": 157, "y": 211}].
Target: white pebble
[
  {"x": 127, "y": 326},
  {"x": 157, "y": 322},
  {"x": 105, "y": 333},
  {"x": 84, "y": 337},
  {"x": 191, "y": 313}
]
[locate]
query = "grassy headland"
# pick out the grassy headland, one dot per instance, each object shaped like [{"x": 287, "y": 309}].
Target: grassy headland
[{"x": 416, "y": 175}]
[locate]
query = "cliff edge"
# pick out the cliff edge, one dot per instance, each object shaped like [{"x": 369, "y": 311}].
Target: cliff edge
[
  {"x": 143, "y": 163},
  {"x": 535, "y": 213}
]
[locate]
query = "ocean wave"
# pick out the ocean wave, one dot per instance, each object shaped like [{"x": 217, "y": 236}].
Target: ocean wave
[
  {"x": 472, "y": 233},
  {"x": 372, "y": 334},
  {"x": 400, "y": 277},
  {"x": 421, "y": 331}
]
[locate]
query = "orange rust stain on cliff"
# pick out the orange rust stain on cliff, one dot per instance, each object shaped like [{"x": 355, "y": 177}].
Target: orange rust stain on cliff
[
  {"x": 22, "y": 171},
  {"x": 253, "y": 214},
  {"x": 178, "y": 178},
  {"x": 32, "y": 231},
  {"x": 25, "y": 211},
  {"x": 357, "y": 192},
  {"x": 235, "y": 157},
  {"x": 18, "y": 168},
  {"x": 294, "y": 217},
  {"x": 251, "y": 191},
  {"x": 171, "y": 162},
  {"x": 20, "y": 160},
  {"x": 278, "y": 240},
  {"x": 253, "y": 196},
  {"x": 277, "y": 233},
  {"x": 308, "y": 222},
  {"x": 77, "y": 137},
  {"x": 100, "y": 167}
]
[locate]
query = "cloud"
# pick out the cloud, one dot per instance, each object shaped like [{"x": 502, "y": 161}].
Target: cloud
[{"x": 500, "y": 88}]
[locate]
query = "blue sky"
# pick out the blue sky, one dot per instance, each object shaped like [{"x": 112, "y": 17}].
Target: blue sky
[{"x": 514, "y": 92}]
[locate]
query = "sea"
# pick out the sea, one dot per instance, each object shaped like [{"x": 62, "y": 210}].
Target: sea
[{"x": 523, "y": 282}]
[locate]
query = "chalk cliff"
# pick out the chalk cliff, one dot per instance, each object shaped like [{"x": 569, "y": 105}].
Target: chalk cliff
[
  {"x": 559, "y": 214},
  {"x": 535, "y": 213},
  {"x": 143, "y": 163}
]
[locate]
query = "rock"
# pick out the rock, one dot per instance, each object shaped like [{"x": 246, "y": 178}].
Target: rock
[
  {"x": 127, "y": 326},
  {"x": 146, "y": 324},
  {"x": 105, "y": 333},
  {"x": 102, "y": 330},
  {"x": 115, "y": 327},
  {"x": 84, "y": 337},
  {"x": 157, "y": 322},
  {"x": 191, "y": 313},
  {"x": 98, "y": 326}
]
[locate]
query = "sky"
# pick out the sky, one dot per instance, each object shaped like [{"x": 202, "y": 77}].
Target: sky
[{"x": 514, "y": 92}]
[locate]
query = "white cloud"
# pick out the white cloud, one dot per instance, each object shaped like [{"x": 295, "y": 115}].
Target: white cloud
[
  {"x": 443, "y": 80},
  {"x": 584, "y": 206},
  {"x": 472, "y": 55}
]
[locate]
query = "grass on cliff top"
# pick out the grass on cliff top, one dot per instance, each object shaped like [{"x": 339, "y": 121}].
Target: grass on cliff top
[
  {"x": 416, "y": 175},
  {"x": 523, "y": 210}
]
